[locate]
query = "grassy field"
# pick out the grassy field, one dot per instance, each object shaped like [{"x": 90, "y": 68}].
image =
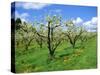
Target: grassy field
[{"x": 66, "y": 58}]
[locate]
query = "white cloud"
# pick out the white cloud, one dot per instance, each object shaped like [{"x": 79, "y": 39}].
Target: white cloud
[
  {"x": 23, "y": 16},
  {"x": 94, "y": 20},
  {"x": 78, "y": 21},
  {"x": 91, "y": 25},
  {"x": 87, "y": 23},
  {"x": 31, "y": 5}
]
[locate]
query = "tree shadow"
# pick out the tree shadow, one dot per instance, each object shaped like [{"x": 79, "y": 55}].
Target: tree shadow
[
  {"x": 68, "y": 51},
  {"x": 62, "y": 55}
]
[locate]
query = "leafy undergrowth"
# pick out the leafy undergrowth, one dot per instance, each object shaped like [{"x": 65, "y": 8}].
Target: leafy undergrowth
[{"x": 66, "y": 58}]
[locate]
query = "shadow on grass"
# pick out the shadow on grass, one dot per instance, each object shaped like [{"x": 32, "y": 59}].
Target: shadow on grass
[{"x": 68, "y": 51}]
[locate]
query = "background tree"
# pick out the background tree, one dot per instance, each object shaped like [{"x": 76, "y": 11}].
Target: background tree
[
  {"x": 18, "y": 23},
  {"x": 40, "y": 39},
  {"x": 73, "y": 32},
  {"x": 26, "y": 34},
  {"x": 83, "y": 38}
]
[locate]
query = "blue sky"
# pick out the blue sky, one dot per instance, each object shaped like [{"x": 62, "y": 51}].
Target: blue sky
[{"x": 36, "y": 11}]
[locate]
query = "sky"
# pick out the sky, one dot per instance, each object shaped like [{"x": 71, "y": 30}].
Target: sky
[{"x": 81, "y": 15}]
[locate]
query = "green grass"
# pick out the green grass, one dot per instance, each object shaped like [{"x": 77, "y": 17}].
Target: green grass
[{"x": 67, "y": 58}]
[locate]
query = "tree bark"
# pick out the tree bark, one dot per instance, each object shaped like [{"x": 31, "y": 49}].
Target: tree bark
[
  {"x": 52, "y": 56},
  {"x": 49, "y": 40}
]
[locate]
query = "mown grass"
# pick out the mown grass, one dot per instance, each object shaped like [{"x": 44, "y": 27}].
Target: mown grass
[{"x": 66, "y": 58}]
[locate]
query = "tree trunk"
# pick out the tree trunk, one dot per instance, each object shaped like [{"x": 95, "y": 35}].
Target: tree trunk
[
  {"x": 26, "y": 47},
  {"x": 50, "y": 37},
  {"x": 49, "y": 40},
  {"x": 52, "y": 56},
  {"x": 73, "y": 45},
  {"x": 41, "y": 43}
]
